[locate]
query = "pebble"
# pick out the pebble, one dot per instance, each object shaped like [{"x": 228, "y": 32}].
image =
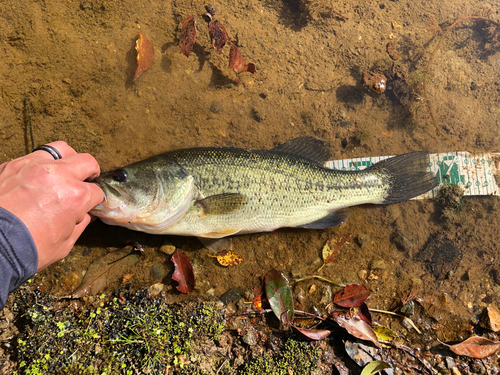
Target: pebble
[
  {"x": 250, "y": 338},
  {"x": 363, "y": 239},
  {"x": 156, "y": 289},
  {"x": 215, "y": 107},
  {"x": 231, "y": 295},
  {"x": 402, "y": 242},
  {"x": 158, "y": 271},
  {"x": 378, "y": 265},
  {"x": 167, "y": 249},
  {"x": 326, "y": 294},
  {"x": 67, "y": 80}
]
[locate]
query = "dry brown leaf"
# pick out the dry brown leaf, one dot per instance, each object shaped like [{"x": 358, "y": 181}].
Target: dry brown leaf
[
  {"x": 476, "y": 347},
  {"x": 145, "y": 55},
  {"x": 238, "y": 62}
]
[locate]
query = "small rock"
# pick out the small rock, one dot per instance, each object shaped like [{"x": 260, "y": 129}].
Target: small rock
[
  {"x": 167, "y": 249},
  {"x": 378, "y": 265},
  {"x": 363, "y": 239},
  {"x": 156, "y": 289},
  {"x": 250, "y": 338},
  {"x": 67, "y": 80},
  {"x": 326, "y": 295},
  {"x": 215, "y": 107},
  {"x": 158, "y": 271},
  {"x": 362, "y": 274},
  {"x": 402, "y": 242},
  {"x": 231, "y": 295},
  {"x": 491, "y": 319}
]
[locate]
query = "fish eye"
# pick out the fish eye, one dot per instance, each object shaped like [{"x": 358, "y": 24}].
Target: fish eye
[{"x": 119, "y": 176}]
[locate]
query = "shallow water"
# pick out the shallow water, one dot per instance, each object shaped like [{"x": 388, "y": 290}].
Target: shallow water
[{"x": 66, "y": 72}]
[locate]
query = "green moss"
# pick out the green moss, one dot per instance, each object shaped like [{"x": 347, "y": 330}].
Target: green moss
[
  {"x": 112, "y": 336},
  {"x": 296, "y": 358}
]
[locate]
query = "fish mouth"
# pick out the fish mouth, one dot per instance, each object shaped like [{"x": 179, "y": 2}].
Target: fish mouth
[{"x": 112, "y": 197}]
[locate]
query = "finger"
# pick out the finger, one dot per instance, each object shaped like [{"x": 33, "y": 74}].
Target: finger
[
  {"x": 79, "y": 228},
  {"x": 62, "y": 147},
  {"x": 82, "y": 166},
  {"x": 96, "y": 195}
]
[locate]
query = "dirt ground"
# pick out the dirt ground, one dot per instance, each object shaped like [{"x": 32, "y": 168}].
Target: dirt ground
[{"x": 66, "y": 73}]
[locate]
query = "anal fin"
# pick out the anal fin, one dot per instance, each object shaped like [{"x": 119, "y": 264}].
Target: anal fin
[{"x": 331, "y": 220}]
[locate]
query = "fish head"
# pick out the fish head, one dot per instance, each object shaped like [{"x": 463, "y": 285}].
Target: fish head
[{"x": 148, "y": 196}]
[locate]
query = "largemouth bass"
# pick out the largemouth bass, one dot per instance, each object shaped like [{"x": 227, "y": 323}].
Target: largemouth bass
[{"x": 218, "y": 192}]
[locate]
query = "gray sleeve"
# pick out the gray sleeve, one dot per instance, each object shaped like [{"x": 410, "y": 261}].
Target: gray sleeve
[{"x": 18, "y": 254}]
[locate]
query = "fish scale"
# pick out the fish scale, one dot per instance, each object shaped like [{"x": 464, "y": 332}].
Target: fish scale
[{"x": 224, "y": 191}]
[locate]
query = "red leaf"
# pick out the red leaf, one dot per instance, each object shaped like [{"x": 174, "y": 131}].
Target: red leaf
[
  {"x": 218, "y": 35},
  {"x": 145, "y": 55},
  {"x": 237, "y": 62},
  {"x": 364, "y": 313},
  {"x": 476, "y": 347},
  {"x": 313, "y": 334},
  {"x": 352, "y": 296},
  {"x": 355, "y": 326},
  {"x": 183, "y": 272},
  {"x": 188, "y": 35}
]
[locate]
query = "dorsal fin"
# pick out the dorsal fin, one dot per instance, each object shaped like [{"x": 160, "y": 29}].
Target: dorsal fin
[{"x": 307, "y": 147}]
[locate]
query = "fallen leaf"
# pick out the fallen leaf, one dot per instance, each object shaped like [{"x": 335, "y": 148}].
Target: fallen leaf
[
  {"x": 188, "y": 35},
  {"x": 257, "y": 302},
  {"x": 279, "y": 296},
  {"x": 374, "y": 367},
  {"x": 384, "y": 333},
  {"x": 183, "y": 272},
  {"x": 476, "y": 347},
  {"x": 145, "y": 55},
  {"x": 218, "y": 35},
  {"x": 127, "y": 277},
  {"x": 331, "y": 249},
  {"x": 363, "y": 312},
  {"x": 360, "y": 353},
  {"x": 229, "y": 258},
  {"x": 351, "y": 296},
  {"x": 354, "y": 325},
  {"x": 106, "y": 270},
  {"x": 313, "y": 334},
  {"x": 238, "y": 62}
]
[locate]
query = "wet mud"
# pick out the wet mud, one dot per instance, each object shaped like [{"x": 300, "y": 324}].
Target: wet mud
[{"x": 66, "y": 73}]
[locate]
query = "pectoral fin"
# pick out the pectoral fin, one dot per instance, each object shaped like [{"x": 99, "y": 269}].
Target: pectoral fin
[
  {"x": 216, "y": 245},
  {"x": 221, "y": 204}
]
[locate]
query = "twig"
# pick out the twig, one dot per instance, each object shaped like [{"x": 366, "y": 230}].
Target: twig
[
  {"x": 221, "y": 366},
  {"x": 404, "y": 348},
  {"x": 472, "y": 17},
  {"x": 319, "y": 278},
  {"x": 401, "y": 316}
]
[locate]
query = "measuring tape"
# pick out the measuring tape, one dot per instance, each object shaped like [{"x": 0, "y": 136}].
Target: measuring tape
[{"x": 474, "y": 174}]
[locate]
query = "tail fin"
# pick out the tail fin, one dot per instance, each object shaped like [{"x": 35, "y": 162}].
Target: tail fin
[{"x": 407, "y": 176}]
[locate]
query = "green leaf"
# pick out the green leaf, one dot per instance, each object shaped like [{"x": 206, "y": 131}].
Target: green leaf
[
  {"x": 279, "y": 296},
  {"x": 374, "y": 367},
  {"x": 384, "y": 333}
]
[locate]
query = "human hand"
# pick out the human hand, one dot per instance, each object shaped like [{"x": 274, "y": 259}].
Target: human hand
[{"x": 51, "y": 198}]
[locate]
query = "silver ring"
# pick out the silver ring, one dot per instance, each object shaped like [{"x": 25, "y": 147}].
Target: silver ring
[{"x": 51, "y": 150}]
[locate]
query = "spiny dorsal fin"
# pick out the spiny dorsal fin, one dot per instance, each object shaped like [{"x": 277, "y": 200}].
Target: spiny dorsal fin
[
  {"x": 308, "y": 147},
  {"x": 221, "y": 204}
]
